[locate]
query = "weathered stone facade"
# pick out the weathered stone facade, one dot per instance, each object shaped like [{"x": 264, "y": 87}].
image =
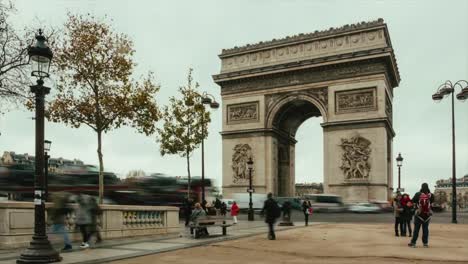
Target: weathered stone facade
[{"x": 345, "y": 75}]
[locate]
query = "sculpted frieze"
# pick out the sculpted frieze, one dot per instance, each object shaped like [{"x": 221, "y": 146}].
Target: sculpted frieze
[
  {"x": 302, "y": 77},
  {"x": 355, "y": 100},
  {"x": 242, "y": 153},
  {"x": 242, "y": 113},
  {"x": 355, "y": 158}
]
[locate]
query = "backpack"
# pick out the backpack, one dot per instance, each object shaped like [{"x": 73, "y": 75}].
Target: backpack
[{"x": 424, "y": 205}]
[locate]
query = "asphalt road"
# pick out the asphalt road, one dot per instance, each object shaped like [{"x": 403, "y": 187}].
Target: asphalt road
[{"x": 443, "y": 217}]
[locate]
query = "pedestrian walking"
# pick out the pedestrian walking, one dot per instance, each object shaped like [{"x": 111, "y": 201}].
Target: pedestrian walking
[
  {"x": 234, "y": 211},
  {"x": 423, "y": 201},
  {"x": 272, "y": 211},
  {"x": 59, "y": 215},
  {"x": 223, "y": 209},
  {"x": 306, "y": 209},
  {"x": 397, "y": 211},
  {"x": 83, "y": 219}
]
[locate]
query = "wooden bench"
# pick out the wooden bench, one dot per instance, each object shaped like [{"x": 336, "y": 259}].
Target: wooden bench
[{"x": 208, "y": 221}]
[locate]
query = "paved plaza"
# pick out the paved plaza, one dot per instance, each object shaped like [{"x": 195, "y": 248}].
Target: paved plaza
[
  {"x": 328, "y": 244},
  {"x": 321, "y": 242}
]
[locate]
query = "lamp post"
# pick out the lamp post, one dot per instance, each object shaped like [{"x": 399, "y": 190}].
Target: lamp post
[
  {"x": 399, "y": 161},
  {"x": 205, "y": 99},
  {"x": 40, "y": 250},
  {"x": 250, "y": 190},
  {"x": 47, "y": 144},
  {"x": 444, "y": 90}
]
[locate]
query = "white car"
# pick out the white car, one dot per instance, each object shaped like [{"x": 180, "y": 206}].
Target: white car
[{"x": 365, "y": 208}]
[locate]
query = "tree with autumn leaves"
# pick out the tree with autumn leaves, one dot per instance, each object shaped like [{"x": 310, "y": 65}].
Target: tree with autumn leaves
[
  {"x": 185, "y": 122},
  {"x": 94, "y": 86}
]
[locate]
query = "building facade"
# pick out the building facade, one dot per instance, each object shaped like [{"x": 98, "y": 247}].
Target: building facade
[
  {"x": 443, "y": 192},
  {"x": 11, "y": 157}
]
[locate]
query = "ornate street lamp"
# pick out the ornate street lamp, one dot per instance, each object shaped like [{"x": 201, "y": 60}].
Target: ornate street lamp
[
  {"x": 444, "y": 90},
  {"x": 40, "y": 250},
  {"x": 250, "y": 190},
  {"x": 47, "y": 145},
  {"x": 399, "y": 161},
  {"x": 206, "y": 99}
]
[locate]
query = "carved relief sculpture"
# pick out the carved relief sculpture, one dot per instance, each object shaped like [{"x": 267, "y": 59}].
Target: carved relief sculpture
[
  {"x": 355, "y": 158},
  {"x": 355, "y": 101},
  {"x": 242, "y": 153},
  {"x": 244, "y": 112}
]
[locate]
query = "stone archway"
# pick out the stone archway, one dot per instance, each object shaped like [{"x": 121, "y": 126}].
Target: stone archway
[{"x": 344, "y": 75}]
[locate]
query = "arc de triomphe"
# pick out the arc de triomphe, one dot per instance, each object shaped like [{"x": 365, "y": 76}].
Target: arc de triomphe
[{"x": 345, "y": 75}]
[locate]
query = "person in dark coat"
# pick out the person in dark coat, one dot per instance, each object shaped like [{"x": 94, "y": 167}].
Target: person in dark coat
[
  {"x": 423, "y": 201},
  {"x": 286, "y": 208},
  {"x": 306, "y": 205},
  {"x": 223, "y": 209},
  {"x": 217, "y": 206},
  {"x": 271, "y": 211}
]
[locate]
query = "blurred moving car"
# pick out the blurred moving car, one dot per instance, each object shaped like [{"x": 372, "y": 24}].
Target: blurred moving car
[
  {"x": 295, "y": 202},
  {"x": 330, "y": 203},
  {"x": 385, "y": 206},
  {"x": 365, "y": 208}
]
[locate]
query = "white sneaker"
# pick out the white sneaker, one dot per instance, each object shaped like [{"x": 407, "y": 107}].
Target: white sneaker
[{"x": 84, "y": 245}]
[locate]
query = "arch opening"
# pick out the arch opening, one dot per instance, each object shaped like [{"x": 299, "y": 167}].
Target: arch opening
[{"x": 287, "y": 120}]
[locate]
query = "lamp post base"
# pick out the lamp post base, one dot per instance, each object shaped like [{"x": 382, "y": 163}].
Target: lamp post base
[
  {"x": 250, "y": 215},
  {"x": 39, "y": 251}
]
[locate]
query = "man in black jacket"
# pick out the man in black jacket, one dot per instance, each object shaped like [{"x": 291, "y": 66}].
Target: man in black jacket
[
  {"x": 271, "y": 211},
  {"x": 423, "y": 214}
]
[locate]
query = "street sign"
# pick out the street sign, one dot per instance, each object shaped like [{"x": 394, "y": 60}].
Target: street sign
[
  {"x": 250, "y": 190},
  {"x": 401, "y": 189}
]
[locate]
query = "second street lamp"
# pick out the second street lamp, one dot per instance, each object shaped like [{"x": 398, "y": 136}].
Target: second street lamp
[
  {"x": 444, "y": 90},
  {"x": 399, "y": 161},
  {"x": 206, "y": 99},
  {"x": 250, "y": 190},
  {"x": 40, "y": 250}
]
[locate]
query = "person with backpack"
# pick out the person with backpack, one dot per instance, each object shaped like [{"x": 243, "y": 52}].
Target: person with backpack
[
  {"x": 272, "y": 211},
  {"x": 423, "y": 200}
]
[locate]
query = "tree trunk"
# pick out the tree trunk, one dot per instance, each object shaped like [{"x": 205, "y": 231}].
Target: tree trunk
[
  {"x": 101, "y": 168},
  {"x": 189, "y": 176}
]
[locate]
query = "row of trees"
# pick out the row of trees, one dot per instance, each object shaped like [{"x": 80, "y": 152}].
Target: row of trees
[{"x": 94, "y": 65}]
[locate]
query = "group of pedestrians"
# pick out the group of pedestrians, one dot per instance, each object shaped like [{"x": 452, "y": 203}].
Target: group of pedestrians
[
  {"x": 86, "y": 218},
  {"x": 419, "y": 208}
]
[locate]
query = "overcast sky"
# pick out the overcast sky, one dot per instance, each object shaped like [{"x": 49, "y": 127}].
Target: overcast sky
[{"x": 430, "y": 39}]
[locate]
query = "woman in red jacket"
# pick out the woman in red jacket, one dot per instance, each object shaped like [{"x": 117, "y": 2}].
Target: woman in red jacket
[{"x": 234, "y": 211}]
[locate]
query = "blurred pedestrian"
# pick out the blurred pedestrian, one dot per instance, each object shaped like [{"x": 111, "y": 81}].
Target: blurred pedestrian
[
  {"x": 234, "y": 211},
  {"x": 217, "y": 206},
  {"x": 423, "y": 201},
  {"x": 187, "y": 207},
  {"x": 96, "y": 212},
  {"x": 397, "y": 211},
  {"x": 271, "y": 211},
  {"x": 223, "y": 209},
  {"x": 83, "y": 219},
  {"x": 306, "y": 209},
  {"x": 59, "y": 215}
]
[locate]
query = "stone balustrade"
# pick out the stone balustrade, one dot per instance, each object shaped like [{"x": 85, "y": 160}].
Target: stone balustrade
[{"x": 116, "y": 221}]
